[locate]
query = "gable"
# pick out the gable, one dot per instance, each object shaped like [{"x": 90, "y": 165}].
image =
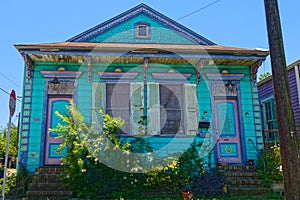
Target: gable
[{"x": 123, "y": 29}]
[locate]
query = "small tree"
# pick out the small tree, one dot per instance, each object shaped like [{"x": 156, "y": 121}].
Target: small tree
[
  {"x": 264, "y": 75},
  {"x": 13, "y": 149}
]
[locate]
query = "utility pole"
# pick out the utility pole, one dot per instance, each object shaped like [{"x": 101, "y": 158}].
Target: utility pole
[{"x": 286, "y": 127}]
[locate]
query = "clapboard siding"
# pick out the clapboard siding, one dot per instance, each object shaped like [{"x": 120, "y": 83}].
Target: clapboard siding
[{"x": 266, "y": 90}]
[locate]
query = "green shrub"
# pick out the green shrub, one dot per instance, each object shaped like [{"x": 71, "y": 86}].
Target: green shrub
[
  {"x": 87, "y": 176},
  {"x": 10, "y": 183},
  {"x": 270, "y": 168}
]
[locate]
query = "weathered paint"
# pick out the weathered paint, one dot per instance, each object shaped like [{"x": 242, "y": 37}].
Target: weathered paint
[
  {"x": 90, "y": 94},
  {"x": 125, "y": 32}
]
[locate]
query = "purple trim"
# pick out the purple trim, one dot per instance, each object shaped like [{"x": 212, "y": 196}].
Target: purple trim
[
  {"x": 256, "y": 108},
  {"x": 171, "y": 76},
  {"x": 142, "y": 8},
  {"x": 25, "y": 126},
  {"x": 224, "y": 76},
  {"x": 61, "y": 74}
]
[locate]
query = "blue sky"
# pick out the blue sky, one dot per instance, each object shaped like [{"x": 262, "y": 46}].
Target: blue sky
[{"x": 239, "y": 23}]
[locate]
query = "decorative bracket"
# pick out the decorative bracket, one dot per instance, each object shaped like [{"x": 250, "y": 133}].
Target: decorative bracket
[
  {"x": 29, "y": 66},
  {"x": 145, "y": 65},
  {"x": 89, "y": 64},
  {"x": 253, "y": 71},
  {"x": 199, "y": 66}
]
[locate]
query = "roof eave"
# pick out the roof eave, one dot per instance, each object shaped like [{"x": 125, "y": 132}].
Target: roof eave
[{"x": 125, "y": 47}]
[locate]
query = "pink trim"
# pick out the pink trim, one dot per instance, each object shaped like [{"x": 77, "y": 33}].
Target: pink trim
[
  {"x": 225, "y": 76},
  {"x": 61, "y": 74},
  {"x": 170, "y": 76},
  {"x": 118, "y": 75},
  {"x": 224, "y": 140}
]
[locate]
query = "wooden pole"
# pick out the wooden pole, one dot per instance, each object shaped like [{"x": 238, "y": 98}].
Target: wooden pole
[{"x": 287, "y": 135}]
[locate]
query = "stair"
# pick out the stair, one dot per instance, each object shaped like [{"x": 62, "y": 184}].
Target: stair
[
  {"x": 48, "y": 184},
  {"x": 243, "y": 180}
]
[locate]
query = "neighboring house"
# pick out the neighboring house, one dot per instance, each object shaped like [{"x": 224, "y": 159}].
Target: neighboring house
[
  {"x": 267, "y": 100},
  {"x": 144, "y": 65}
]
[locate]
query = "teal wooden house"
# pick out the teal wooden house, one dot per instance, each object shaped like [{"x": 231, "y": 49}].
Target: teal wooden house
[{"x": 143, "y": 65}]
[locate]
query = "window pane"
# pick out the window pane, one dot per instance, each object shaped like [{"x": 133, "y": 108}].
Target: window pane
[
  {"x": 118, "y": 103},
  {"x": 142, "y": 30},
  {"x": 171, "y": 111}
]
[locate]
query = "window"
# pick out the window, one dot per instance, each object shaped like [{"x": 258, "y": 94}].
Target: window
[
  {"x": 270, "y": 123},
  {"x": 142, "y": 30},
  {"x": 118, "y": 102},
  {"x": 171, "y": 109},
  {"x": 166, "y": 107}
]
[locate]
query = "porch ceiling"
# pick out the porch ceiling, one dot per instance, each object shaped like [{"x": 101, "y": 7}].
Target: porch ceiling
[
  {"x": 135, "y": 53},
  {"x": 140, "y": 59}
]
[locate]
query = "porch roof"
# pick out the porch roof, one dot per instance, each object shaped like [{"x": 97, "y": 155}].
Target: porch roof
[{"x": 135, "y": 53}]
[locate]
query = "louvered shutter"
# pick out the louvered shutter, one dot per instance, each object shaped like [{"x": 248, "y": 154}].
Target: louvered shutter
[
  {"x": 136, "y": 107},
  {"x": 98, "y": 102},
  {"x": 191, "y": 109},
  {"x": 153, "y": 110}
]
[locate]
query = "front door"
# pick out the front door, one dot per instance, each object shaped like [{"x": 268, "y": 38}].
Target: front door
[
  {"x": 227, "y": 129},
  {"x": 53, "y": 153}
]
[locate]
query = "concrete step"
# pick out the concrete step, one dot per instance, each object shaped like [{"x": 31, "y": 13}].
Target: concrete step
[
  {"x": 241, "y": 174},
  {"x": 49, "y": 195},
  {"x": 236, "y": 168},
  {"x": 245, "y": 181},
  {"x": 244, "y": 191},
  {"x": 48, "y": 184},
  {"x": 44, "y": 186},
  {"x": 47, "y": 178},
  {"x": 49, "y": 170}
]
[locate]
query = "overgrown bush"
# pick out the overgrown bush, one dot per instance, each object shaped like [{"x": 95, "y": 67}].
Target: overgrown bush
[
  {"x": 10, "y": 182},
  {"x": 22, "y": 180},
  {"x": 209, "y": 185},
  {"x": 270, "y": 167},
  {"x": 87, "y": 176}
]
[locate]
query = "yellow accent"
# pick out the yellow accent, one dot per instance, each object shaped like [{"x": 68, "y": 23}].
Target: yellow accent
[
  {"x": 225, "y": 71},
  {"x": 228, "y": 149},
  {"x": 118, "y": 70},
  {"x": 57, "y": 150},
  {"x": 61, "y": 69},
  {"x": 171, "y": 71}
]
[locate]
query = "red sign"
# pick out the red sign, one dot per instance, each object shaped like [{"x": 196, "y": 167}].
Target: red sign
[{"x": 12, "y": 103}]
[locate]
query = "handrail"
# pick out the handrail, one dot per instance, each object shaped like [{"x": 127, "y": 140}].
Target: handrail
[{"x": 259, "y": 155}]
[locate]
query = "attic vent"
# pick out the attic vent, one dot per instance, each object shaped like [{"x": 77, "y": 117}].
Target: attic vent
[{"x": 142, "y": 30}]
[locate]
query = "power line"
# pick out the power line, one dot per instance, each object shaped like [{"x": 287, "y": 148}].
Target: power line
[
  {"x": 8, "y": 93},
  {"x": 9, "y": 80},
  {"x": 198, "y": 10}
]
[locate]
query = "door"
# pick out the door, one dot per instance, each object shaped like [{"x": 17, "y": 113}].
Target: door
[
  {"x": 227, "y": 129},
  {"x": 53, "y": 153}
]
